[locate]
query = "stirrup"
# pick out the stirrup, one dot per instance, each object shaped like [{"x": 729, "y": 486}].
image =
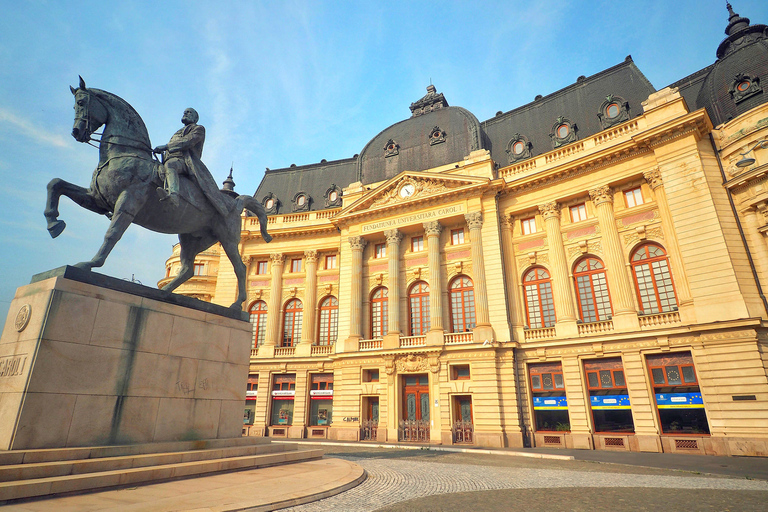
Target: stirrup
[{"x": 162, "y": 194}]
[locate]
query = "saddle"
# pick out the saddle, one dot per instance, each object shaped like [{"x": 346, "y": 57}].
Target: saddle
[{"x": 189, "y": 190}]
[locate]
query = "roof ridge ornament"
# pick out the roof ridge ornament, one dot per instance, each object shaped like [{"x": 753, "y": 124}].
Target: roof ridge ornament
[
  {"x": 430, "y": 102},
  {"x": 735, "y": 22}
]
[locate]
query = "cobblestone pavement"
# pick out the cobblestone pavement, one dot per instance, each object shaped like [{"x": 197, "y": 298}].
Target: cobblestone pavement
[{"x": 401, "y": 481}]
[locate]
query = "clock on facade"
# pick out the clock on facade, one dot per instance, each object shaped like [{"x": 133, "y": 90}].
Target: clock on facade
[{"x": 407, "y": 190}]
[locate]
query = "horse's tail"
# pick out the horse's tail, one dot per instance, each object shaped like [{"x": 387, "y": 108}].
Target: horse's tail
[{"x": 255, "y": 207}]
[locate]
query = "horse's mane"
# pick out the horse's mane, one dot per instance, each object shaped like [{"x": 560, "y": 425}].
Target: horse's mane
[{"x": 132, "y": 118}]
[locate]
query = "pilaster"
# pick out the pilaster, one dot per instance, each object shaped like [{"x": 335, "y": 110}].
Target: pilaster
[
  {"x": 309, "y": 319},
  {"x": 351, "y": 344},
  {"x": 432, "y": 230},
  {"x": 483, "y": 330},
  {"x": 277, "y": 260}
]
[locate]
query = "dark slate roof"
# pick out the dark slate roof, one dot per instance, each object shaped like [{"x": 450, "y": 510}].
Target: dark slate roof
[
  {"x": 417, "y": 145},
  {"x": 314, "y": 180},
  {"x": 690, "y": 86},
  {"x": 579, "y": 103}
]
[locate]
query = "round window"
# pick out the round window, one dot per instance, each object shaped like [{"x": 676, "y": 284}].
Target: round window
[
  {"x": 334, "y": 196},
  {"x": 518, "y": 147},
  {"x": 270, "y": 204},
  {"x": 563, "y": 130},
  {"x": 744, "y": 85},
  {"x": 301, "y": 200},
  {"x": 391, "y": 147},
  {"x": 612, "y": 110},
  {"x": 436, "y": 135}
]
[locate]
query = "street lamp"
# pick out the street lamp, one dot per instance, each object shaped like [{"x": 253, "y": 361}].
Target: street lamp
[{"x": 746, "y": 162}]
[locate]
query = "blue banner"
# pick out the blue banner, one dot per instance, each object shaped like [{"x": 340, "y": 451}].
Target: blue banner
[
  {"x": 679, "y": 400},
  {"x": 550, "y": 403},
  {"x": 609, "y": 402}
]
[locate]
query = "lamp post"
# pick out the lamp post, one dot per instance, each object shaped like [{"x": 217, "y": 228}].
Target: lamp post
[{"x": 746, "y": 162}]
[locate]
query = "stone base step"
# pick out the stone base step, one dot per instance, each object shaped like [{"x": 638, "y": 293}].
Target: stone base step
[{"x": 52, "y": 485}]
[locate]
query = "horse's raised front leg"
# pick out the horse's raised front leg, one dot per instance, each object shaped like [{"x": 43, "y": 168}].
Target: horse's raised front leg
[
  {"x": 81, "y": 196},
  {"x": 230, "y": 247},
  {"x": 122, "y": 218},
  {"x": 191, "y": 246}
]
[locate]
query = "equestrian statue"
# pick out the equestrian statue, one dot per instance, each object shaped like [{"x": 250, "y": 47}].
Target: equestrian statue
[{"x": 130, "y": 185}]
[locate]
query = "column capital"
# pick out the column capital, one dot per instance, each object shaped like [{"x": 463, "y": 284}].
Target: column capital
[
  {"x": 601, "y": 195},
  {"x": 277, "y": 258},
  {"x": 550, "y": 210},
  {"x": 474, "y": 220},
  {"x": 433, "y": 228},
  {"x": 393, "y": 236},
  {"x": 310, "y": 256},
  {"x": 653, "y": 177},
  {"x": 357, "y": 242}
]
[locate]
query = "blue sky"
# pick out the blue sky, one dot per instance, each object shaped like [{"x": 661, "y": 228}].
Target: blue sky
[{"x": 278, "y": 83}]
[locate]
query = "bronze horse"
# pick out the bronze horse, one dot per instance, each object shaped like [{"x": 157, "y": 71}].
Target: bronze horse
[{"x": 123, "y": 188}]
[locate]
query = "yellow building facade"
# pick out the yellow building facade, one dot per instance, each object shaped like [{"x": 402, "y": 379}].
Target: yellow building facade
[{"x": 477, "y": 283}]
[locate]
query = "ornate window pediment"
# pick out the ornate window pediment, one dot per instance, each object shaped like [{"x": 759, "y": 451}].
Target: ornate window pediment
[
  {"x": 613, "y": 110},
  {"x": 518, "y": 148},
  {"x": 391, "y": 148},
  {"x": 436, "y": 136},
  {"x": 271, "y": 204},
  {"x": 333, "y": 196},
  {"x": 563, "y": 132},
  {"x": 301, "y": 201},
  {"x": 744, "y": 86}
]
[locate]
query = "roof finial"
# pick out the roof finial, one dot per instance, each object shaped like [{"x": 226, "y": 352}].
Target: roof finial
[
  {"x": 229, "y": 183},
  {"x": 735, "y": 22}
]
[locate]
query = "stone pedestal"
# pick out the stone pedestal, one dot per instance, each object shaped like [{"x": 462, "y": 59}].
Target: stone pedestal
[{"x": 88, "y": 360}]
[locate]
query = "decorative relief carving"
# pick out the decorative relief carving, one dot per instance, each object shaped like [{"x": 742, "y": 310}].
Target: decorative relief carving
[
  {"x": 422, "y": 186},
  {"x": 411, "y": 363},
  {"x": 631, "y": 239},
  {"x": 601, "y": 195},
  {"x": 310, "y": 256},
  {"x": 393, "y": 236},
  {"x": 474, "y": 220},
  {"x": 277, "y": 258},
  {"x": 653, "y": 177},
  {"x": 549, "y": 210},
  {"x": 22, "y": 317},
  {"x": 433, "y": 228},
  {"x": 357, "y": 243}
]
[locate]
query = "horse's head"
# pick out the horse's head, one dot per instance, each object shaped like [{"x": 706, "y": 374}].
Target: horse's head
[{"x": 90, "y": 113}]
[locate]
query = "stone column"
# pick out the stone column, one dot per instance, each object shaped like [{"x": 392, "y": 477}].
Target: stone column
[
  {"x": 620, "y": 286},
  {"x": 309, "y": 319},
  {"x": 684, "y": 296},
  {"x": 435, "y": 335},
  {"x": 482, "y": 330},
  {"x": 759, "y": 242},
  {"x": 357, "y": 243},
  {"x": 393, "y": 251},
  {"x": 564, "y": 305},
  {"x": 271, "y": 340}
]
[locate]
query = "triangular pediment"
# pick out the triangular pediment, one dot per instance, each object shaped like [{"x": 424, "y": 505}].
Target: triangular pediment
[{"x": 411, "y": 187}]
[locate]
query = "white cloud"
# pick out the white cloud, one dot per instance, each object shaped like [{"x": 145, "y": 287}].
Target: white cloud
[{"x": 30, "y": 129}]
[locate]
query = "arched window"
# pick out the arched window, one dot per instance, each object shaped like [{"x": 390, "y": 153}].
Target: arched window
[
  {"x": 294, "y": 313},
  {"x": 379, "y": 303},
  {"x": 258, "y": 314},
  {"x": 592, "y": 290},
  {"x": 418, "y": 308},
  {"x": 654, "y": 282},
  {"x": 329, "y": 321},
  {"x": 462, "y": 304},
  {"x": 538, "y": 298}
]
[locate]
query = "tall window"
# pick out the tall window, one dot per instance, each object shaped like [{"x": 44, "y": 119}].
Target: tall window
[
  {"x": 258, "y": 314},
  {"x": 294, "y": 312},
  {"x": 529, "y": 226},
  {"x": 633, "y": 197},
  {"x": 379, "y": 313},
  {"x": 261, "y": 267},
  {"x": 296, "y": 265},
  {"x": 329, "y": 321},
  {"x": 578, "y": 213},
  {"x": 330, "y": 262},
  {"x": 199, "y": 269},
  {"x": 418, "y": 302},
  {"x": 462, "y": 304},
  {"x": 417, "y": 243},
  {"x": 654, "y": 282},
  {"x": 592, "y": 289},
  {"x": 380, "y": 251},
  {"x": 538, "y": 299},
  {"x": 457, "y": 236}
]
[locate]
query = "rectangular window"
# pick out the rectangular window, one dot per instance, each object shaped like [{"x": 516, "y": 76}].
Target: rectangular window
[
  {"x": 609, "y": 400},
  {"x": 457, "y": 236},
  {"x": 529, "y": 226},
  {"x": 330, "y": 261},
  {"x": 380, "y": 251},
  {"x": 261, "y": 267},
  {"x": 550, "y": 406},
  {"x": 678, "y": 398},
  {"x": 321, "y": 399},
  {"x": 417, "y": 243},
  {"x": 199, "y": 269},
  {"x": 460, "y": 372},
  {"x": 283, "y": 394},
  {"x": 578, "y": 213},
  {"x": 370, "y": 375},
  {"x": 252, "y": 390},
  {"x": 634, "y": 197},
  {"x": 296, "y": 265}
]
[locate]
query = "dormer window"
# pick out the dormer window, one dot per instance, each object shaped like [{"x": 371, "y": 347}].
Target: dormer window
[
  {"x": 744, "y": 86},
  {"x": 563, "y": 132},
  {"x": 301, "y": 202},
  {"x": 613, "y": 110},
  {"x": 437, "y": 136},
  {"x": 333, "y": 196},
  {"x": 518, "y": 148},
  {"x": 391, "y": 148},
  {"x": 271, "y": 203}
]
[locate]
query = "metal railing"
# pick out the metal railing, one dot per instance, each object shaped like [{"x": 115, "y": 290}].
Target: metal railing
[
  {"x": 416, "y": 431},
  {"x": 369, "y": 430},
  {"x": 462, "y": 431}
]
